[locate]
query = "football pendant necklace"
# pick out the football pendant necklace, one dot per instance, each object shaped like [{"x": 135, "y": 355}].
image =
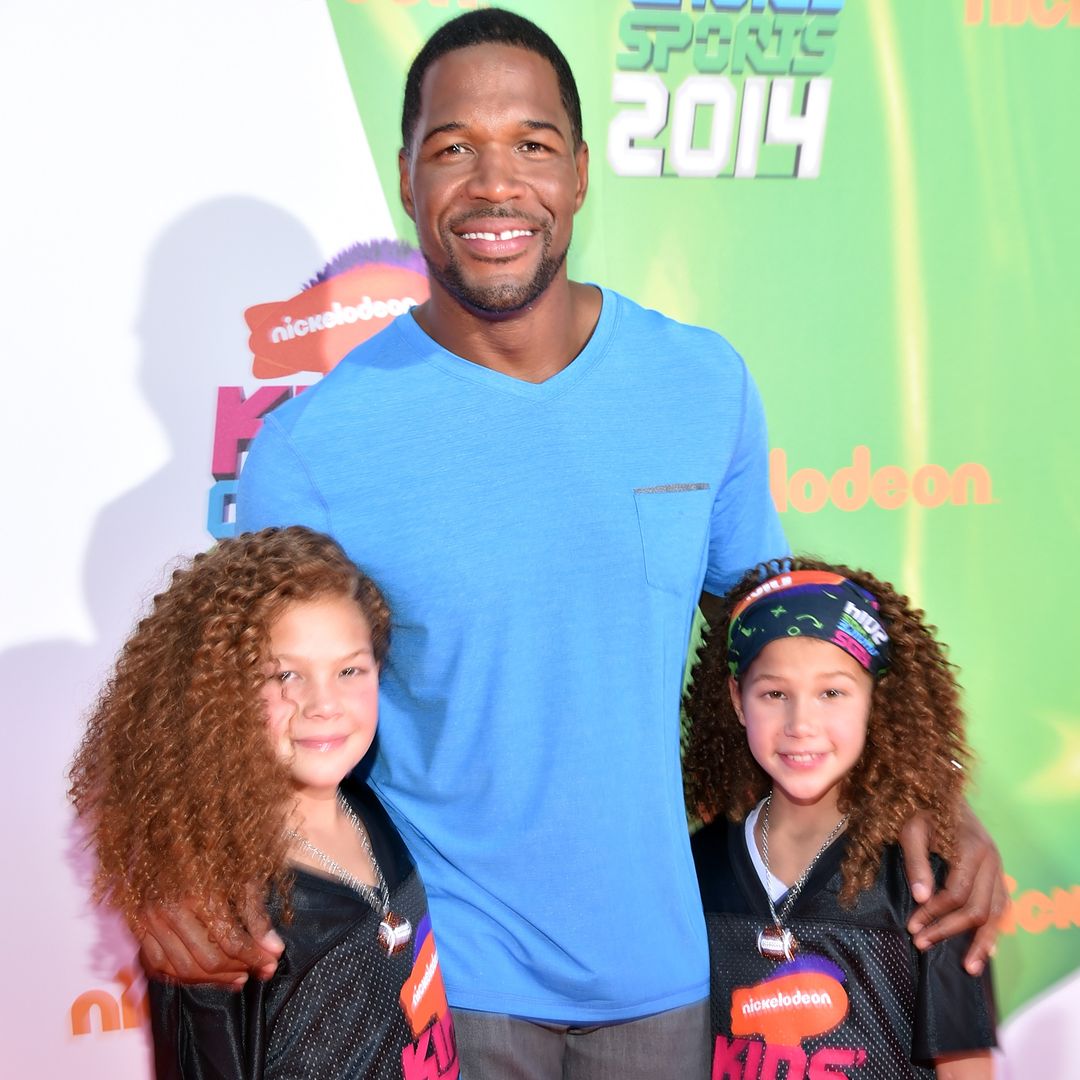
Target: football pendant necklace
[
  {"x": 775, "y": 942},
  {"x": 394, "y": 930}
]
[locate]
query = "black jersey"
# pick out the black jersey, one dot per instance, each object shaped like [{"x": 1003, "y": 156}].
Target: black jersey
[
  {"x": 857, "y": 1001},
  {"x": 338, "y": 1007}
]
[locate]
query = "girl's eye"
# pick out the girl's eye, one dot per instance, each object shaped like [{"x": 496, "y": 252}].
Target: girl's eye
[
  {"x": 774, "y": 695},
  {"x": 285, "y": 676},
  {"x": 833, "y": 693}
]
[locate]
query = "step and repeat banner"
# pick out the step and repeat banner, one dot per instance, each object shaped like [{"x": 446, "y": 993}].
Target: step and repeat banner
[{"x": 874, "y": 200}]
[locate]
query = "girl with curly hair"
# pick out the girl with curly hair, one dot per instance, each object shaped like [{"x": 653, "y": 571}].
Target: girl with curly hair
[
  {"x": 823, "y": 715},
  {"x": 217, "y": 762}
]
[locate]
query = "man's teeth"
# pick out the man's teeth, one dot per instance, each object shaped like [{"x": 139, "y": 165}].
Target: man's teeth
[{"x": 509, "y": 234}]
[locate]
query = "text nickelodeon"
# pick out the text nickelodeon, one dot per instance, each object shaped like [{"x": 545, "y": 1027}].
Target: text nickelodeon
[{"x": 723, "y": 88}]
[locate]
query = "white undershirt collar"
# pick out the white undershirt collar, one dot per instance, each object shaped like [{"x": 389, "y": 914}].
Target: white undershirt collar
[{"x": 778, "y": 887}]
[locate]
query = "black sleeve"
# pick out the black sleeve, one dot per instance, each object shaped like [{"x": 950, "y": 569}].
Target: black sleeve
[
  {"x": 954, "y": 1011},
  {"x": 206, "y": 1032}
]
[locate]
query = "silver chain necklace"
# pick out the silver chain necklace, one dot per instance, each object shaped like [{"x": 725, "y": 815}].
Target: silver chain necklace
[
  {"x": 775, "y": 942},
  {"x": 394, "y": 930}
]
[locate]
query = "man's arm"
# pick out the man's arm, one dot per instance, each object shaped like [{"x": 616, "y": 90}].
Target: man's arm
[
  {"x": 973, "y": 897},
  {"x": 192, "y": 942},
  {"x": 745, "y": 528},
  {"x": 276, "y": 487}
]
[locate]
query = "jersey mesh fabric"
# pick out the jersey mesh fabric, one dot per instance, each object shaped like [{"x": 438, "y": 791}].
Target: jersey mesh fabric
[
  {"x": 542, "y": 547},
  {"x": 351, "y": 987},
  {"x": 904, "y": 1008},
  {"x": 332, "y": 1010}
]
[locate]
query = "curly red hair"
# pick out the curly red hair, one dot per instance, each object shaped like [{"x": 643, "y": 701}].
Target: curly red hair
[
  {"x": 914, "y": 742},
  {"x": 175, "y": 778}
]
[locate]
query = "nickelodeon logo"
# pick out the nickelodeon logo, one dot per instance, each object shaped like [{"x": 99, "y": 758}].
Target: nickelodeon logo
[
  {"x": 1044, "y": 14},
  {"x": 1036, "y": 912},
  {"x": 422, "y": 996},
  {"x": 314, "y": 329},
  {"x": 131, "y": 1009},
  {"x": 789, "y": 1007},
  {"x": 890, "y": 486}
]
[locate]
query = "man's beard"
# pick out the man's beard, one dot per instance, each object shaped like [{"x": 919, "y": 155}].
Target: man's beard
[{"x": 501, "y": 299}]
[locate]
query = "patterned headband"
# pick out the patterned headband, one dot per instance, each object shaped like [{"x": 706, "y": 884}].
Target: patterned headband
[{"x": 811, "y": 603}]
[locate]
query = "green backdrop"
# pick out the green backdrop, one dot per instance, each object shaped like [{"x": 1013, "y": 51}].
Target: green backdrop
[{"x": 897, "y": 260}]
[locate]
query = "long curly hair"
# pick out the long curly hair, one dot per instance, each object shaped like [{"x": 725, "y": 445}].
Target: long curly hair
[
  {"x": 176, "y": 779},
  {"x": 915, "y": 749}
]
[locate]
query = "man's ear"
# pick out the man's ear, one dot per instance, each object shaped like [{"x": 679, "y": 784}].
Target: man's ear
[
  {"x": 736, "y": 699},
  {"x": 406, "y": 183},
  {"x": 581, "y": 164}
]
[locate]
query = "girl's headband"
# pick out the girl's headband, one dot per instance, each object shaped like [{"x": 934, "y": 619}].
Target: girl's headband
[{"x": 811, "y": 603}]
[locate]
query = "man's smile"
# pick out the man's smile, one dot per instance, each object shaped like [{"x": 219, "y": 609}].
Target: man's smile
[{"x": 506, "y": 234}]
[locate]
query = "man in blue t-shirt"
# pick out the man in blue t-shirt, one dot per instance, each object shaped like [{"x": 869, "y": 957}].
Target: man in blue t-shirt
[{"x": 542, "y": 476}]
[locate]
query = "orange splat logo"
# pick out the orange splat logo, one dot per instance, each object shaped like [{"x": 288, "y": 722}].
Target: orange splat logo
[
  {"x": 313, "y": 330},
  {"x": 803, "y": 998}
]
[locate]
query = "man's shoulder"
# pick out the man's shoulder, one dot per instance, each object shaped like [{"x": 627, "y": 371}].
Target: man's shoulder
[
  {"x": 354, "y": 378},
  {"x": 648, "y": 329}
]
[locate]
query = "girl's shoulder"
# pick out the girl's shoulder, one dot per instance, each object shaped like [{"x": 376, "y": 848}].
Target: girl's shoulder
[
  {"x": 711, "y": 840},
  {"x": 723, "y": 871},
  {"x": 390, "y": 851},
  {"x": 888, "y": 900}
]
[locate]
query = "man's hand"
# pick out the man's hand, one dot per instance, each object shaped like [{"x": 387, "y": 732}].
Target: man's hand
[
  {"x": 973, "y": 897},
  {"x": 200, "y": 942}
]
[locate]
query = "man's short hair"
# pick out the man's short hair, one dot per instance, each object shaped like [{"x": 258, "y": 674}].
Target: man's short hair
[{"x": 484, "y": 27}]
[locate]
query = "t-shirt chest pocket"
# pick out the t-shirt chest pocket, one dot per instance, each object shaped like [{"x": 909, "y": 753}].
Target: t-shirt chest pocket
[{"x": 674, "y": 523}]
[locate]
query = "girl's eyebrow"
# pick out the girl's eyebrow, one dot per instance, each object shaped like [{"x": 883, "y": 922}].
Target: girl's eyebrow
[
  {"x": 364, "y": 650},
  {"x": 763, "y": 676},
  {"x": 820, "y": 674}
]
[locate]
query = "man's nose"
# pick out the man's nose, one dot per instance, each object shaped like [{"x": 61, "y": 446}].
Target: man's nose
[{"x": 496, "y": 176}]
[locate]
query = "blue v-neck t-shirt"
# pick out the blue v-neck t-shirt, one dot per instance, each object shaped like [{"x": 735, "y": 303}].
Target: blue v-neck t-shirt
[{"x": 542, "y": 547}]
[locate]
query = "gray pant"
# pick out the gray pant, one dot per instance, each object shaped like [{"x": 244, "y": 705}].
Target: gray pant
[{"x": 671, "y": 1045}]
